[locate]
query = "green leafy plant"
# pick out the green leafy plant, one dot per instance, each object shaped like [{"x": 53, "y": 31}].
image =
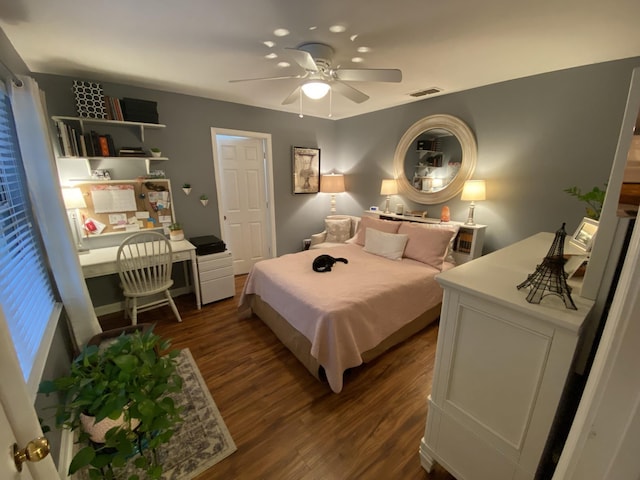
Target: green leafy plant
[
  {"x": 594, "y": 199},
  {"x": 175, "y": 226},
  {"x": 130, "y": 376},
  {"x": 186, "y": 185},
  {"x": 155, "y": 149},
  {"x": 204, "y": 197}
]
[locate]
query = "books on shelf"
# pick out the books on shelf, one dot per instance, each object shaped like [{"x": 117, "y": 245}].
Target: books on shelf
[{"x": 464, "y": 241}]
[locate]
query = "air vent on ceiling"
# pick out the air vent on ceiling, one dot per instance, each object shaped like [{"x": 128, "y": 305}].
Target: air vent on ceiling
[{"x": 428, "y": 91}]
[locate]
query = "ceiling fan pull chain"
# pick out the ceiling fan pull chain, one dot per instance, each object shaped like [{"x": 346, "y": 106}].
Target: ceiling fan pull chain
[
  {"x": 301, "y": 115},
  {"x": 330, "y": 103}
]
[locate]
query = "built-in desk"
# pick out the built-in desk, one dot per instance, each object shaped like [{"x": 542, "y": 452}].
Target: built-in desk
[{"x": 102, "y": 261}]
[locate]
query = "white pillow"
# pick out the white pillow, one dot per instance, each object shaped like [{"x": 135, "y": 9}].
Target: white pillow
[
  {"x": 388, "y": 245},
  {"x": 338, "y": 229}
]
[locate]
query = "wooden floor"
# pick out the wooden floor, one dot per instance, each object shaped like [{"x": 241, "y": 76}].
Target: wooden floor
[{"x": 288, "y": 425}]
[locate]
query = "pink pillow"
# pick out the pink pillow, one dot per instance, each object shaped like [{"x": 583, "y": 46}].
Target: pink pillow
[
  {"x": 427, "y": 244},
  {"x": 387, "y": 226}
]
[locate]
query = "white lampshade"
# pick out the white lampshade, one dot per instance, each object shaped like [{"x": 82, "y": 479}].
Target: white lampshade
[
  {"x": 73, "y": 198},
  {"x": 315, "y": 89},
  {"x": 332, "y": 183},
  {"x": 474, "y": 190},
  {"x": 389, "y": 187}
]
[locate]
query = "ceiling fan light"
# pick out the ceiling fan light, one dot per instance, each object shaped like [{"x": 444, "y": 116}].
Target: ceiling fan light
[{"x": 316, "y": 89}]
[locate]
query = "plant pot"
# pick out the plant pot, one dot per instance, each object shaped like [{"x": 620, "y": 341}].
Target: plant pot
[
  {"x": 176, "y": 235},
  {"x": 98, "y": 430},
  {"x": 156, "y": 154},
  {"x": 204, "y": 202},
  {"x": 186, "y": 191}
]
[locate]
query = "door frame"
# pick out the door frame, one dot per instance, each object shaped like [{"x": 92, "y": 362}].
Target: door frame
[{"x": 265, "y": 138}]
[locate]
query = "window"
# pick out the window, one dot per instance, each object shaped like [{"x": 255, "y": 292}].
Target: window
[{"x": 26, "y": 292}]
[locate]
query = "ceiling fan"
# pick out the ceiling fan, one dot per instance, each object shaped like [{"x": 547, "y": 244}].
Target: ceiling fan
[{"x": 320, "y": 76}]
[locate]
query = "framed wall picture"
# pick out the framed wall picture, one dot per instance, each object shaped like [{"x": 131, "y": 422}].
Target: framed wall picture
[
  {"x": 585, "y": 234},
  {"x": 306, "y": 170}
]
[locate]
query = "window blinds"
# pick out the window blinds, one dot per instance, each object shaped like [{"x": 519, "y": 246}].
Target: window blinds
[{"x": 25, "y": 289}]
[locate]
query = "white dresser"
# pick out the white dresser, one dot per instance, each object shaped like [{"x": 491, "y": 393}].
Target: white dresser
[
  {"x": 501, "y": 366},
  {"x": 215, "y": 272}
]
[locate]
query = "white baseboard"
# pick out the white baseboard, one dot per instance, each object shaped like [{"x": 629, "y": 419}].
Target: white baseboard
[{"x": 119, "y": 306}]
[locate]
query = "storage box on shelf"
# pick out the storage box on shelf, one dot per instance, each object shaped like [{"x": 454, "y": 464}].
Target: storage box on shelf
[{"x": 467, "y": 244}]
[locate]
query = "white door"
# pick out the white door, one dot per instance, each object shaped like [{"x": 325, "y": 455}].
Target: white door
[
  {"x": 18, "y": 419},
  {"x": 245, "y": 198}
]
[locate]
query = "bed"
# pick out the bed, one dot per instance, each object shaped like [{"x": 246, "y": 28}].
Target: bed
[{"x": 337, "y": 320}]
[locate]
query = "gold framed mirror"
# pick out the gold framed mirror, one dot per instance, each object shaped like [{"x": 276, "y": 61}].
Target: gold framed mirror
[{"x": 434, "y": 158}]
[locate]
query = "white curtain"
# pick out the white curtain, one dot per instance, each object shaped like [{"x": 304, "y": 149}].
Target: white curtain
[{"x": 42, "y": 178}]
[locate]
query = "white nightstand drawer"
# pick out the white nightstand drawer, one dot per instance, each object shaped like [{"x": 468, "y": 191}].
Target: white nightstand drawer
[{"x": 206, "y": 275}]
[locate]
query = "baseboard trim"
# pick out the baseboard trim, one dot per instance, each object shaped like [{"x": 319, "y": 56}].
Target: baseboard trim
[{"x": 119, "y": 306}]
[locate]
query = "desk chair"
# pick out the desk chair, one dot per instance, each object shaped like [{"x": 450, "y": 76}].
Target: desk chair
[{"x": 144, "y": 263}]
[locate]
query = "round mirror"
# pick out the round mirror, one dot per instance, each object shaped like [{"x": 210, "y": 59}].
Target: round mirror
[{"x": 434, "y": 158}]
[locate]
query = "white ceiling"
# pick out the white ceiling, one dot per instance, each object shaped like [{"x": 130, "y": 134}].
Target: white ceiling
[{"x": 196, "y": 46}]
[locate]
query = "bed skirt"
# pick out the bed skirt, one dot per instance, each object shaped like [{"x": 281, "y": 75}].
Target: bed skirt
[{"x": 300, "y": 345}]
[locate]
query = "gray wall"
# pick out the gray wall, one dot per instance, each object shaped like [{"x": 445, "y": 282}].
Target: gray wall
[{"x": 536, "y": 136}]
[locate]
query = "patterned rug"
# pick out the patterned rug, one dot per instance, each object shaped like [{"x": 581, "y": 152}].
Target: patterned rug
[{"x": 201, "y": 440}]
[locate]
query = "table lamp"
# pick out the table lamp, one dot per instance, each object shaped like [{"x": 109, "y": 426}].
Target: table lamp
[
  {"x": 473, "y": 190},
  {"x": 332, "y": 183},
  {"x": 389, "y": 187},
  {"x": 73, "y": 201}
]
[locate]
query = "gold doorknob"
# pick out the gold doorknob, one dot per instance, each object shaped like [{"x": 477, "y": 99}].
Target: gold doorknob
[{"x": 35, "y": 451}]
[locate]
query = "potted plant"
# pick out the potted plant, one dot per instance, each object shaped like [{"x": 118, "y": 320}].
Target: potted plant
[
  {"x": 186, "y": 188},
  {"x": 155, "y": 152},
  {"x": 175, "y": 232},
  {"x": 124, "y": 382},
  {"x": 204, "y": 200},
  {"x": 594, "y": 199}
]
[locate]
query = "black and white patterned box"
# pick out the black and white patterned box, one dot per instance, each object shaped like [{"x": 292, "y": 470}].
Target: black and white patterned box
[{"x": 89, "y": 99}]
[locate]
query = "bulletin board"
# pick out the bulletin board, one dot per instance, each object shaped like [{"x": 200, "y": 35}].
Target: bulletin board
[{"x": 125, "y": 206}]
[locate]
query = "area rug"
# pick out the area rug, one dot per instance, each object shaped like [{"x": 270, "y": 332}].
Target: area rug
[{"x": 201, "y": 440}]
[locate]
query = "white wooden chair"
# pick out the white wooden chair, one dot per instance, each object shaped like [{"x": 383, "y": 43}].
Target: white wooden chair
[{"x": 144, "y": 265}]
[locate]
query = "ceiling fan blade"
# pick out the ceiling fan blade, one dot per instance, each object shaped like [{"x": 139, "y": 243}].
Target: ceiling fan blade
[
  {"x": 349, "y": 92},
  {"x": 265, "y": 78},
  {"x": 304, "y": 59},
  {"x": 293, "y": 96},
  {"x": 368, "y": 75}
]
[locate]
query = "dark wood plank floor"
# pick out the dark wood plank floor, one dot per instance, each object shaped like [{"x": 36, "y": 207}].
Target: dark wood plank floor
[{"x": 285, "y": 423}]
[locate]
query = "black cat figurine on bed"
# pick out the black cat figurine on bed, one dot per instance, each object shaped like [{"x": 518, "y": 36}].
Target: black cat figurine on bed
[{"x": 323, "y": 263}]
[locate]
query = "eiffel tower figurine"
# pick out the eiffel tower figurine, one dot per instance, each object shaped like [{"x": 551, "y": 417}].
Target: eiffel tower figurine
[{"x": 550, "y": 277}]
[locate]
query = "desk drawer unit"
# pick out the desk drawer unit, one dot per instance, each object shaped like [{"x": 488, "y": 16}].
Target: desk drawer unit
[{"x": 216, "y": 276}]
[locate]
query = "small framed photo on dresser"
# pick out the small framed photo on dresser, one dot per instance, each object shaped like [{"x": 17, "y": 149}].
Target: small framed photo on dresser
[{"x": 585, "y": 234}]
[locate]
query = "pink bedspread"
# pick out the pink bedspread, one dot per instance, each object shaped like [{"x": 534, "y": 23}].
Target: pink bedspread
[{"x": 346, "y": 311}]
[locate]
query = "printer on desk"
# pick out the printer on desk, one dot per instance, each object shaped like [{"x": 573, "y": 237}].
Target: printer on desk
[
  {"x": 215, "y": 268},
  {"x": 208, "y": 244}
]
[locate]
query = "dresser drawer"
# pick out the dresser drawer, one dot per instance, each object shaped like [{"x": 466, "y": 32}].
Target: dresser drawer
[{"x": 206, "y": 275}]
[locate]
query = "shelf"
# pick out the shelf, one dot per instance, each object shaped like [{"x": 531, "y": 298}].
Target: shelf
[
  {"x": 88, "y": 160},
  {"x": 114, "y": 123}
]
